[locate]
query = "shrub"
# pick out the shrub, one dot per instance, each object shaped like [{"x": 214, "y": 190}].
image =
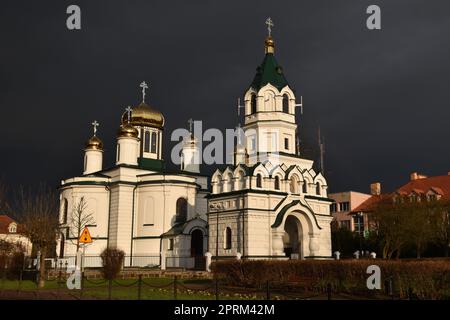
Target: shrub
[
  {"x": 428, "y": 279},
  {"x": 112, "y": 262},
  {"x": 12, "y": 257}
]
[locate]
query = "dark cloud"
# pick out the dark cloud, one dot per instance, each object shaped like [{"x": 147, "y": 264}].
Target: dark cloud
[{"x": 380, "y": 97}]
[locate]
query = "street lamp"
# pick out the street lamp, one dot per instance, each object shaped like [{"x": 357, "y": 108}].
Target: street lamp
[{"x": 360, "y": 216}]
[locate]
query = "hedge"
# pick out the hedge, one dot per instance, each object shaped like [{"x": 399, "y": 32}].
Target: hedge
[{"x": 428, "y": 279}]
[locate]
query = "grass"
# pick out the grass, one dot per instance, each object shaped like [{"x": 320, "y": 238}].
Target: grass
[{"x": 151, "y": 289}]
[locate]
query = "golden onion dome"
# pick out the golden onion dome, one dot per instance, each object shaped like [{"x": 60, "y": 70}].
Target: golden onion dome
[
  {"x": 270, "y": 45},
  {"x": 94, "y": 143},
  {"x": 145, "y": 116},
  {"x": 127, "y": 130}
]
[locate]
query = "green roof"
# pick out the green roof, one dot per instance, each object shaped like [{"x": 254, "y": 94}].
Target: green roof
[{"x": 269, "y": 72}]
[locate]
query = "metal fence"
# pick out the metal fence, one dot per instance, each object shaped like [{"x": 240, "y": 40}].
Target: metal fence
[
  {"x": 92, "y": 261},
  {"x": 175, "y": 288}
]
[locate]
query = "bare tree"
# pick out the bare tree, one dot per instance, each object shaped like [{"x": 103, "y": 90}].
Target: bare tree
[
  {"x": 79, "y": 219},
  {"x": 419, "y": 221},
  {"x": 4, "y": 204},
  {"x": 39, "y": 211},
  {"x": 390, "y": 219},
  {"x": 441, "y": 223}
]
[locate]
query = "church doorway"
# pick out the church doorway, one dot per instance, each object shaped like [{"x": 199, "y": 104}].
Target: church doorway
[
  {"x": 292, "y": 239},
  {"x": 197, "y": 249}
]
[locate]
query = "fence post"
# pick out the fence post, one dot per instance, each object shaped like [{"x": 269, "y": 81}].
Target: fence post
[
  {"x": 175, "y": 287},
  {"x": 267, "y": 290},
  {"x": 109, "y": 289},
  {"x": 410, "y": 293},
  {"x": 216, "y": 288},
  {"x": 329, "y": 291},
  {"x": 139, "y": 286},
  {"x": 81, "y": 285},
  {"x": 20, "y": 282},
  {"x": 3, "y": 279},
  {"x": 58, "y": 285}
]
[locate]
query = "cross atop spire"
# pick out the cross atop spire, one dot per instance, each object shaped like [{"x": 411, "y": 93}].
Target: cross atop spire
[
  {"x": 239, "y": 106},
  {"x": 95, "y": 124},
  {"x": 191, "y": 122},
  {"x": 144, "y": 86},
  {"x": 270, "y": 24},
  {"x": 128, "y": 111}
]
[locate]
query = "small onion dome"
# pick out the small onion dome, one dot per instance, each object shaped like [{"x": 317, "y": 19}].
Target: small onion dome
[
  {"x": 240, "y": 148},
  {"x": 127, "y": 130},
  {"x": 191, "y": 140},
  {"x": 269, "y": 45},
  {"x": 94, "y": 143},
  {"x": 145, "y": 116}
]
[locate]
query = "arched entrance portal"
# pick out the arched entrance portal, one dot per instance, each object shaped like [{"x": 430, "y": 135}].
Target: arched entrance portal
[
  {"x": 197, "y": 249},
  {"x": 292, "y": 239}
]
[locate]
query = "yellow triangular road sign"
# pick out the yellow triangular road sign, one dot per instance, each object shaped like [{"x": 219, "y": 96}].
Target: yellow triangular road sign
[{"x": 85, "y": 236}]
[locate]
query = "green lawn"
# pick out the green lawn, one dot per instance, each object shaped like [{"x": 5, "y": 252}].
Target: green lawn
[{"x": 152, "y": 289}]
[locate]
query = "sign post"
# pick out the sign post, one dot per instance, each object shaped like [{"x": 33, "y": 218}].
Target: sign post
[{"x": 85, "y": 238}]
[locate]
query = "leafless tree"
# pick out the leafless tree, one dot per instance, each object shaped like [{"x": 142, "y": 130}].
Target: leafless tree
[
  {"x": 39, "y": 211},
  {"x": 4, "y": 204},
  {"x": 79, "y": 219},
  {"x": 441, "y": 222}
]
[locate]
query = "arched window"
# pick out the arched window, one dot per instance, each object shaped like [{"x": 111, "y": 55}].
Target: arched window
[
  {"x": 258, "y": 181},
  {"x": 153, "y": 143},
  {"x": 61, "y": 245},
  {"x": 318, "y": 188},
  {"x": 294, "y": 184},
  {"x": 147, "y": 141},
  {"x": 181, "y": 210},
  {"x": 65, "y": 209},
  {"x": 285, "y": 103},
  {"x": 228, "y": 235},
  {"x": 277, "y": 183},
  {"x": 305, "y": 187},
  {"x": 253, "y": 104}
]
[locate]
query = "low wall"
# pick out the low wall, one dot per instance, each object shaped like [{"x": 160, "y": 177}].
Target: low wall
[{"x": 134, "y": 274}]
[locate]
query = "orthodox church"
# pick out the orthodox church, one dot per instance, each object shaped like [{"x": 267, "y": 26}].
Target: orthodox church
[
  {"x": 269, "y": 204},
  {"x": 136, "y": 205}
]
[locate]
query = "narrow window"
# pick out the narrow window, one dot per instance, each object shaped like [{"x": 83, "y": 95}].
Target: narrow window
[
  {"x": 181, "y": 215},
  {"x": 228, "y": 238},
  {"x": 147, "y": 141},
  {"x": 285, "y": 103},
  {"x": 305, "y": 187},
  {"x": 286, "y": 143},
  {"x": 65, "y": 209},
  {"x": 318, "y": 189},
  {"x": 170, "y": 244},
  {"x": 277, "y": 183},
  {"x": 153, "y": 149},
  {"x": 258, "y": 181},
  {"x": 253, "y": 104}
]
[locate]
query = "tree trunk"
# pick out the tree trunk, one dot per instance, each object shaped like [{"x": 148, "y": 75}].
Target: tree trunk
[{"x": 42, "y": 271}]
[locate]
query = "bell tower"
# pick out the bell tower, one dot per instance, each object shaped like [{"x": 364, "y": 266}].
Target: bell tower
[{"x": 270, "y": 106}]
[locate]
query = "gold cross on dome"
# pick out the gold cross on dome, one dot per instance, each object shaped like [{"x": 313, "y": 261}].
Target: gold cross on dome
[
  {"x": 191, "y": 122},
  {"x": 144, "y": 86},
  {"x": 95, "y": 124},
  {"x": 270, "y": 24},
  {"x": 128, "y": 111}
]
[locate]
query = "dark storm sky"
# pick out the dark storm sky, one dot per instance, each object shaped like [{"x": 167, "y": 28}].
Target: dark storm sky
[{"x": 382, "y": 98}]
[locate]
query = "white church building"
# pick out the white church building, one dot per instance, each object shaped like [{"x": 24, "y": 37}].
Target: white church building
[{"x": 269, "y": 204}]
